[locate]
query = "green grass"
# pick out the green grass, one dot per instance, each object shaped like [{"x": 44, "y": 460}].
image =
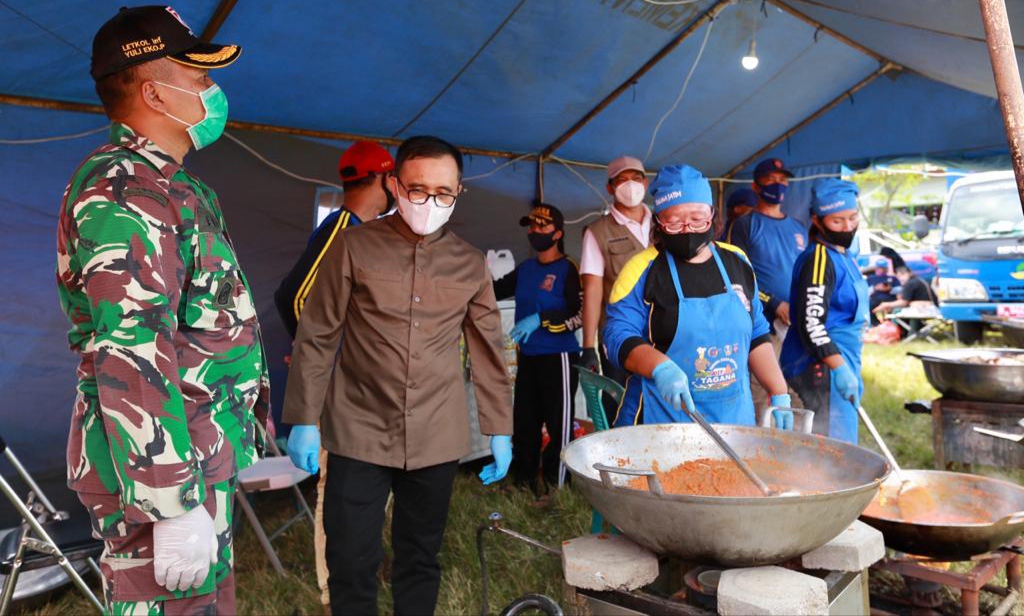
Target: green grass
[{"x": 891, "y": 377}]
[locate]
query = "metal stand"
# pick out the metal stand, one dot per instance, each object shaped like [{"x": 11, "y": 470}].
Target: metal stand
[
  {"x": 34, "y": 515},
  {"x": 972, "y": 583}
]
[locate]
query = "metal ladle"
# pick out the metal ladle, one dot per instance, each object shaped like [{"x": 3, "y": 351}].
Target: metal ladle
[{"x": 697, "y": 417}]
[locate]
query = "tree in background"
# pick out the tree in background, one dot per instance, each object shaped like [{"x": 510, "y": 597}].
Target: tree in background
[{"x": 889, "y": 189}]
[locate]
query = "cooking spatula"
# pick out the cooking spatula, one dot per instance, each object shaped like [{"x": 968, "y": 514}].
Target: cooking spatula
[
  {"x": 696, "y": 416},
  {"x": 912, "y": 499}
]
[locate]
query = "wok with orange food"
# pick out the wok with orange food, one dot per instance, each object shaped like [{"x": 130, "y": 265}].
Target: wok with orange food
[
  {"x": 965, "y": 515},
  {"x": 671, "y": 489}
]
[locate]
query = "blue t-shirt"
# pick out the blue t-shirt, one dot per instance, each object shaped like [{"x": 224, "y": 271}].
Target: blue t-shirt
[
  {"x": 772, "y": 245},
  {"x": 553, "y": 291}
]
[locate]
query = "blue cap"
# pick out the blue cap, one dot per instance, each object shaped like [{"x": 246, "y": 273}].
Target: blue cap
[
  {"x": 741, "y": 196},
  {"x": 771, "y": 165},
  {"x": 678, "y": 184},
  {"x": 832, "y": 195}
]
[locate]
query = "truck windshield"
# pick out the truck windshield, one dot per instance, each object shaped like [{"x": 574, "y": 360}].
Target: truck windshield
[{"x": 978, "y": 211}]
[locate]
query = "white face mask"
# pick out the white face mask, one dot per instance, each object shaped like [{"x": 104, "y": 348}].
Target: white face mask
[
  {"x": 630, "y": 194},
  {"x": 424, "y": 218}
]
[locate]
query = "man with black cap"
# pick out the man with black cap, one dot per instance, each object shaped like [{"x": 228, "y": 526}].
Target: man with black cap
[
  {"x": 549, "y": 306},
  {"x": 772, "y": 242},
  {"x": 173, "y": 394}
]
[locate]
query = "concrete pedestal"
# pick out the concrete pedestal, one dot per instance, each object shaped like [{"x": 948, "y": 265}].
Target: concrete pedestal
[
  {"x": 607, "y": 562},
  {"x": 770, "y": 590},
  {"x": 855, "y": 549}
]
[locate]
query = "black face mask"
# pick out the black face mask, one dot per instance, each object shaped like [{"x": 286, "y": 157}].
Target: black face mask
[
  {"x": 686, "y": 245},
  {"x": 843, "y": 239},
  {"x": 390, "y": 197},
  {"x": 541, "y": 241}
]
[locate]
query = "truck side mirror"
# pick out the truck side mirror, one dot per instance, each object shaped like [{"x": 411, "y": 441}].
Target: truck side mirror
[{"x": 920, "y": 226}]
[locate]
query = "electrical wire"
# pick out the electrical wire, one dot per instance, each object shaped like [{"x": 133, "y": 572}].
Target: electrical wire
[
  {"x": 56, "y": 138},
  {"x": 682, "y": 91},
  {"x": 498, "y": 168},
  {"x": 670, "y": 2},
  {"x": 279, "y": 168},
  {"x": 604, "y": 199}
]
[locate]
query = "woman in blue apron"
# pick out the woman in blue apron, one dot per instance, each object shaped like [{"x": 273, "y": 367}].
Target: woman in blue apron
[
  {"x": 821, "y": 356},
  {"x": 684, "y": 318}
]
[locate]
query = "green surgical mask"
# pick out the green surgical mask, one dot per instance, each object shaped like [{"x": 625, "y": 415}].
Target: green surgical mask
[{"x": 211, "y": 127}]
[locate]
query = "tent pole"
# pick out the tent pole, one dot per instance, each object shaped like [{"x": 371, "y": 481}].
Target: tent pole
[
  {"x": 820, "y": 26},
  {"x": 219, "y": 16},
  {"x": 888, "y": 66},
  {"x": 708, "y": 15},
  {"x": 539, "y": 193},
  {"x": 45, "y": 103},
  {"x": 1008, "y": 87}
]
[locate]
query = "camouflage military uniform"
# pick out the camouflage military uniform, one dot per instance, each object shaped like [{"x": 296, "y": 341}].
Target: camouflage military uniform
[{"x": 173, "y": 392}]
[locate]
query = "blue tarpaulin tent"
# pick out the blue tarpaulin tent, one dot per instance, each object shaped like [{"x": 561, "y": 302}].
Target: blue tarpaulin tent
[{"x": 858, "y": 80}]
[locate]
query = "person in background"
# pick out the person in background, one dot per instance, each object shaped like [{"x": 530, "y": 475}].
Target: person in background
[
  {"x": 400, "y": 290},
  {"x": 608, "y": 244},
  {"x": 772, "y": 241},
  {"x": 549, "y": 310},
  {"x": 882, "y": 285},
  {"x": 741, "y": 202},
  {"x": 363, "y": 168},
  {"x": 913, "y": 292},
  {"x": 173, "y": 390},
  {"x": 685, "y": 319},
  {"x": 821, "y": 356}
]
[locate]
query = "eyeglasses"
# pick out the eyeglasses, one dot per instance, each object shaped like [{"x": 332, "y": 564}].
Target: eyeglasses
[
  {"x": 419, "y": 197},
  {"x": 694, "y": 226}
]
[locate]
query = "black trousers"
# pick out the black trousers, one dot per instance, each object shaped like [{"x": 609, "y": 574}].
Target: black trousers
[
  {"x": 544, "y": 392},
  {"x": 610, "y": 370},
  {"x": 354, "y": 500}
]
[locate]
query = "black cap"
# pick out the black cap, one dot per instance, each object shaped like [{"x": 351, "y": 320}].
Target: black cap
[
  {"x": 544, "y": 214},
  {"x": 771, "y": 165},
  {"x": 144, "y": 33}
]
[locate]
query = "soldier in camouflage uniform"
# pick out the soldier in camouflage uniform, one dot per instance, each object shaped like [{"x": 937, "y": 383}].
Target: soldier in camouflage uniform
[{"x": 173, "y": 392}]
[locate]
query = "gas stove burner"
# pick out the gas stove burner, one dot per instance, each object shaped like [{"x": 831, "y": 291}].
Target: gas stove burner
[
  {"x": 702, "y": 584},
  {"x": 924, "y": 593}
]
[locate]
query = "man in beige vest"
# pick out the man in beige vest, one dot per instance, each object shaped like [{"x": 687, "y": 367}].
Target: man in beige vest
[{"x": 607, "y": 245}]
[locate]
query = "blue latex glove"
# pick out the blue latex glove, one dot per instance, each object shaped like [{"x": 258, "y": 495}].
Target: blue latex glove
[
  {"x": 521, "y": 331},
  {"x": 783, "y": 418},
  {"x": 846, "y": 382},
  {"x": 501, "y": 448},
  {"x": 304, "y": 448},
  {"x": 673, "y": 384}
]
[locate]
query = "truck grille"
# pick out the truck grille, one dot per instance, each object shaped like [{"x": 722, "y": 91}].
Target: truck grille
[{"x": 1006, "y": 292}]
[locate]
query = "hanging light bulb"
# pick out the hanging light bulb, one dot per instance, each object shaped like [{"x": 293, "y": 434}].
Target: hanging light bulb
[{"x": 750, "y": 60}]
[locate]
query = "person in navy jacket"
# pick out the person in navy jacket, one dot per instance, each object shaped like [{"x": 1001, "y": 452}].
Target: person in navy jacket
[{"x": 549, "y": 309}]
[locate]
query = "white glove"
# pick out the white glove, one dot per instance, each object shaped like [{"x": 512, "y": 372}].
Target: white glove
[{"x": 183, "y": 549}]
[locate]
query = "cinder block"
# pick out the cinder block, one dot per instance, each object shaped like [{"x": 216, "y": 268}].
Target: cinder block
[
  {"x": 855, "y": 549},
  {"x": 607, "y": 562},
  {"x": 770, "y": 590}
]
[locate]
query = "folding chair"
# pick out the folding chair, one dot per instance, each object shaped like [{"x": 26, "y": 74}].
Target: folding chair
[
  {"x": 272, "y": 473},
  {"x": 593, "y": 385},
  {"x": 46, "y": 537}
]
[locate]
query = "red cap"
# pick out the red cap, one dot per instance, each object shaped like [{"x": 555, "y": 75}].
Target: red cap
[{"x": 363, "y": 158}]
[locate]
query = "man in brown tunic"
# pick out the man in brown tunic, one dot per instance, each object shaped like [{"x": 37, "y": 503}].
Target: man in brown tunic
[{"x": 401, "y": 291}]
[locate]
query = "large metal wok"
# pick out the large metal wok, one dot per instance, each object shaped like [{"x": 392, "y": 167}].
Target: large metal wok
[
  {"x": 995, "y": 507},
  {"x": 949, "y": 372},
  {"x": 837, "y": 480}
]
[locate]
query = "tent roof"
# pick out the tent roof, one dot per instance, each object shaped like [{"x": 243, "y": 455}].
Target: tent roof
[{"x": 515, "y": 75}]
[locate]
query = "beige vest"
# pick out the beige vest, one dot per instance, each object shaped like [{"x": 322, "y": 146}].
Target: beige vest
[{"x": 618, "y": 245}]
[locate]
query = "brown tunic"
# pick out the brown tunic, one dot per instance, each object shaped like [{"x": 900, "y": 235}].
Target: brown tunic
[{"x": 393, "y": 395}]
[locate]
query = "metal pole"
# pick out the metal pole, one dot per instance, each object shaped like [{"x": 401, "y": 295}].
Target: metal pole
[
  {"x": 1008, "y": 88},
  {"x": 540, "y": 179}
]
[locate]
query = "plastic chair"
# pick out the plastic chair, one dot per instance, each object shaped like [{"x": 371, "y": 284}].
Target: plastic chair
[
  {"x": 593, "y": 386},
  {"x": 272, "y": 473},
  {"x": 46, "y": 538}
]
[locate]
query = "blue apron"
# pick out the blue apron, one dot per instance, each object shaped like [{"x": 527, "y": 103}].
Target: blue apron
[
  {"x": 842, "y": 416},
  {"x": 711, "y": 345}
]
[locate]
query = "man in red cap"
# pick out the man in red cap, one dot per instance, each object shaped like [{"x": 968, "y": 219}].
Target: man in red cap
[{"x": 362, "y": 167}]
